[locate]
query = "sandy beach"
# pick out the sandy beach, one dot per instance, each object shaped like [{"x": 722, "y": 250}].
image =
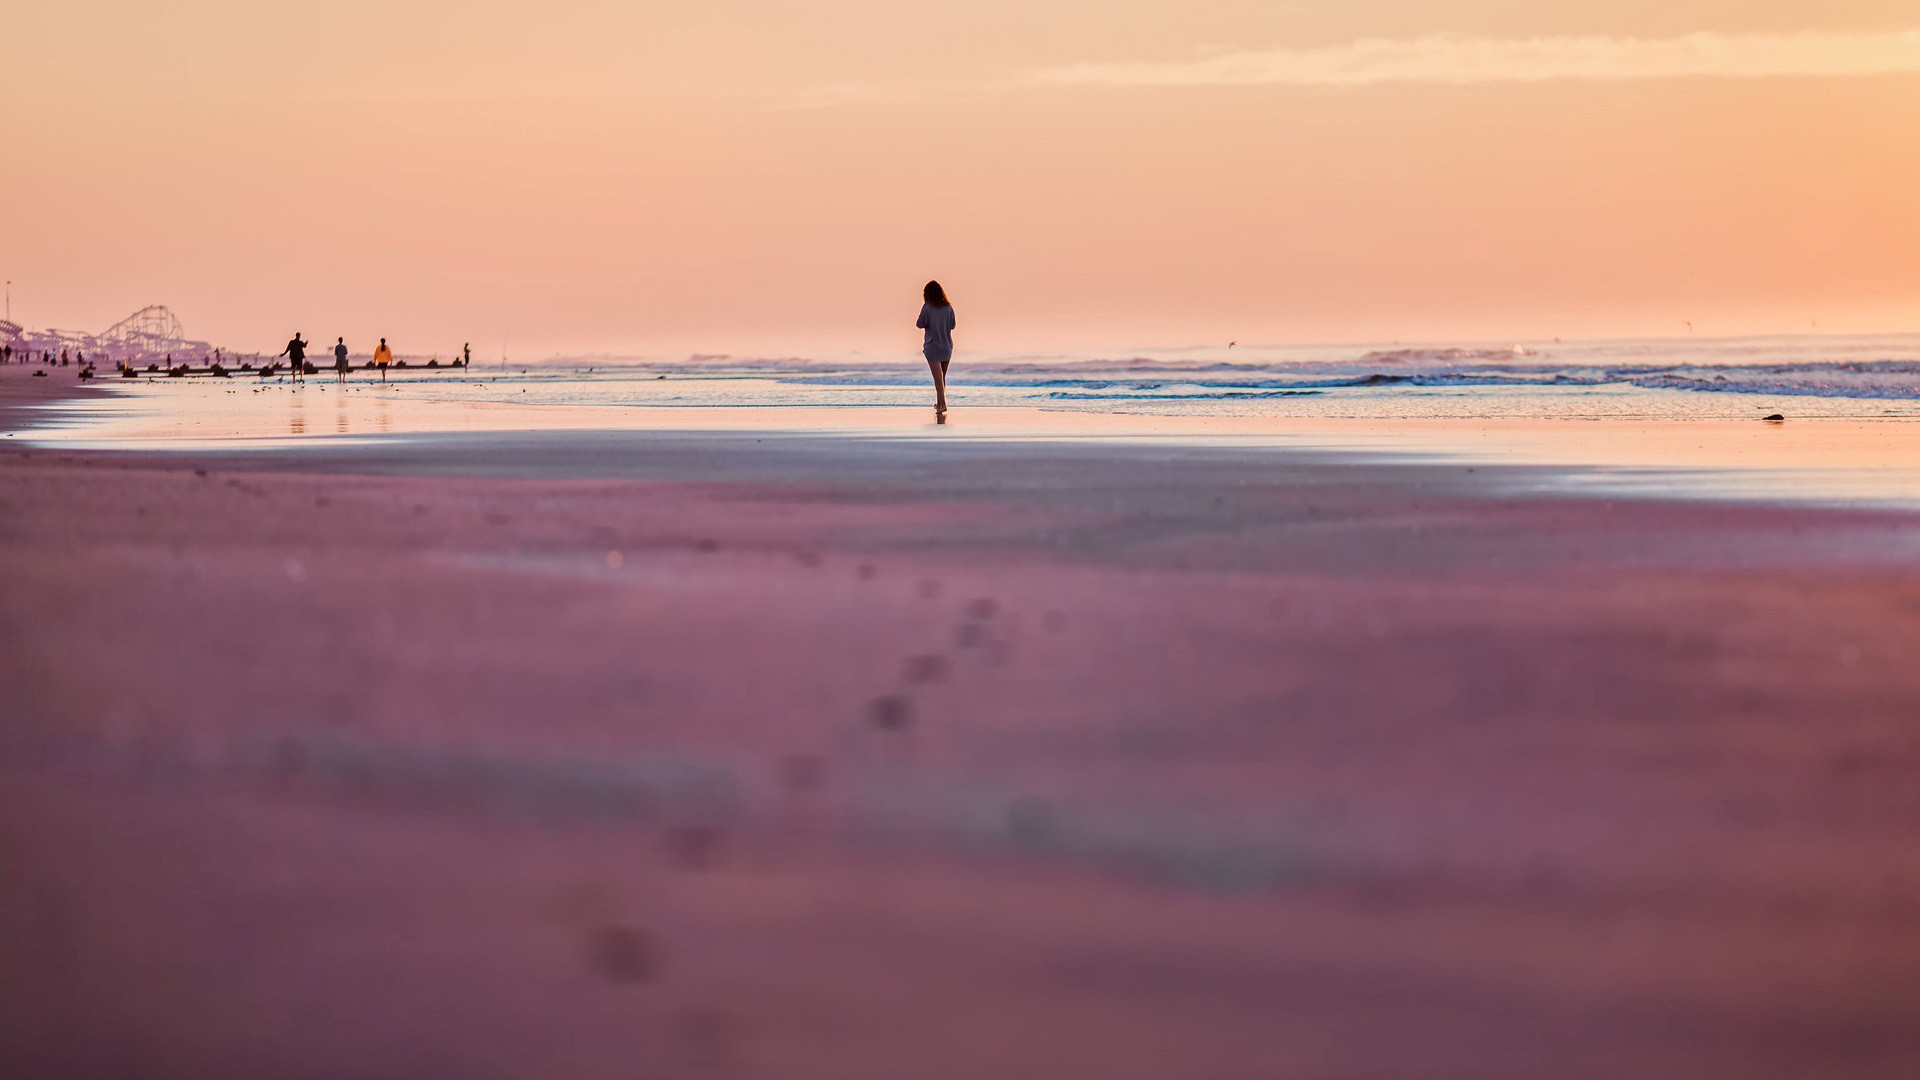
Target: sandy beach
[{"x": 653, "y": 754}]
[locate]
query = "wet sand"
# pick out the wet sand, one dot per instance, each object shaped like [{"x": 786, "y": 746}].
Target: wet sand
[{"x": 598, "y": 754}]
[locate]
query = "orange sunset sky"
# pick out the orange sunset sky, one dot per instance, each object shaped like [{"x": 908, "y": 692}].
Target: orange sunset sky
[{"x": 778, "y": 178}]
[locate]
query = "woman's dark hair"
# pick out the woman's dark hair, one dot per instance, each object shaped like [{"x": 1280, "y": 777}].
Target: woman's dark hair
[{"x": 935, "y": 295}]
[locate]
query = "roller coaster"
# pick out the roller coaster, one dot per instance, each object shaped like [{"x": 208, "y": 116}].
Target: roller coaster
[{"x": 152, "y": 333}]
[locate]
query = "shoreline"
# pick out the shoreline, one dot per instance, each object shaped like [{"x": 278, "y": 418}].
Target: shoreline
[
  {"x": 585, "y": 753},
  {"x": 1864, "y": 463}
]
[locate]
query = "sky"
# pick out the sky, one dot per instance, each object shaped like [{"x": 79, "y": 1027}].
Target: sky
[{"x": 778, "y": 179}]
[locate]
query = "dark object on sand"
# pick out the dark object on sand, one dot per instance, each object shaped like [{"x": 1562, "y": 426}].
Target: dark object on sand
[
  {"x": 1776, "y": 418},
  {"x": 129, "y": 373},
  {"x": 39, "y": 374},
  {"x": 621, "y": 954},
  {"x": 433, "y": 363},
  {"x": 153, "y": 367}
]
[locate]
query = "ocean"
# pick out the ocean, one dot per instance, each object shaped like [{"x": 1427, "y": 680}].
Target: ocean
[{"x": 1644, "y": 379}]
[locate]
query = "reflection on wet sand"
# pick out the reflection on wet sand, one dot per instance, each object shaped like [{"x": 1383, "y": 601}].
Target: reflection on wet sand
[{"x": 1825, "y": 459}]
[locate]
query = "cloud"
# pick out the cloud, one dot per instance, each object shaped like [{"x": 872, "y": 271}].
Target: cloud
[{"x": 1452, "y": 59}]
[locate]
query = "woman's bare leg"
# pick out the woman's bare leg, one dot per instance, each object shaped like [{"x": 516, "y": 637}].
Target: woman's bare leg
[{"x": 939, "y": 385}]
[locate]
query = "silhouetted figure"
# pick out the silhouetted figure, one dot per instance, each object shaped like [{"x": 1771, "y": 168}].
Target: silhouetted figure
[
  {"x": 296, "y": 352},
  {"x": 340, "y": 358},
  {"x": 466, "y": 355},
  {"x": 936, "y": 318},
  {"x": 382, "y": 358},
  {"x": 63, "y": 358}
]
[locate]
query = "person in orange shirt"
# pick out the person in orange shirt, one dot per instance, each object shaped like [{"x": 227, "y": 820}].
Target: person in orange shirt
[{"x": 382, "y": 357}]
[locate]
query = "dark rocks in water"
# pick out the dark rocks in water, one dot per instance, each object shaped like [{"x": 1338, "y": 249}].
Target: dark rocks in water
[
  {"x": 623, "y": 954},
  {"x": 219, "y": 371},
  {"x": 174, "y": 373},
  {"x": 433, "y": 363},
  {"x": 1775, "y": 418},
  {"x": 399, "y": 363},
  {"x": 86, "y": 373},
  {"x": 1378, "y": 379},
  {"x": 307, "y": 368},
  {"x": 891, "y": 713},
  {"x": 129, "y": 373}
]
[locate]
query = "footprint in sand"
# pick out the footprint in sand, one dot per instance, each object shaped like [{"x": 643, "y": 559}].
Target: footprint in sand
[
  {"x": 803, "y": 772},
  {"x": 694, "y": 847},
  {"x": 622, "y": 954},
  {"x": 892, "y": 712},
  {"x": 926, "y": 668}
]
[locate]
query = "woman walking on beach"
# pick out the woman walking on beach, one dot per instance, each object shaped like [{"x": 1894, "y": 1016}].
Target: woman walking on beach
[
  {"x": 936, "y": 318},
  {"x": 382, "y": 356},
  {"x": 340, "y": 358}
]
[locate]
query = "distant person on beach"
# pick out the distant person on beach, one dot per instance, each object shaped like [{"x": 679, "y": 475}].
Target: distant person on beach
[
  {"x": 340, "y": 358},
  {"x": 936, "y": 318},
  {"x": 296, "y": 354},
  {"x": 382, "y": 357},
  {"x": 466, "y": 355}
]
